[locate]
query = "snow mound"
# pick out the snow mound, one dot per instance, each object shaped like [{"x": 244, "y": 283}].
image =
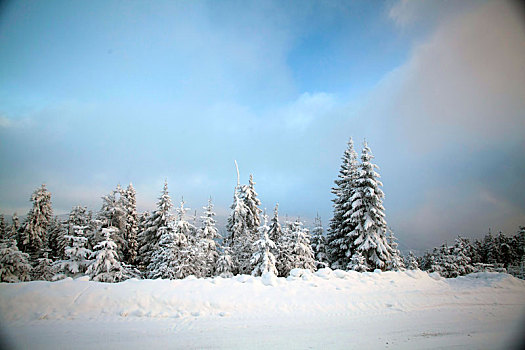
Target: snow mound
[{"x": 323, "y": 292}]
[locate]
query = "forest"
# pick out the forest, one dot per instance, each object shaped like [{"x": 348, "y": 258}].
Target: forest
[{"x": 117, "y": 243}]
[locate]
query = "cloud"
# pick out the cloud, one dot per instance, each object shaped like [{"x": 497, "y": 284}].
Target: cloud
[
  {"x": 308, "y": 107},
  {"x": 465, "y": 82}
]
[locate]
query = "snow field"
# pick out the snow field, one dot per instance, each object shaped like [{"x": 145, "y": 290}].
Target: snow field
[{"x": 325, "y": 309}]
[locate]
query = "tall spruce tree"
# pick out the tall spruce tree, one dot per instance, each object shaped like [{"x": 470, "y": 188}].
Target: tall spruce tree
[
  {"x": 131, "y": 222},
  {"x": 155, "y": 226},
  {"x": 35, "y": 229},
  {"x": 368, "y": 216},
  {"x": 207, "y": 239},
  {"x": 263, "y": 259},
  {"x": 318, "y": 242},
  {"x": 340, "y": 234},
  {"x": 239, "y": 236},
  {"x": 106, "y": 266}
]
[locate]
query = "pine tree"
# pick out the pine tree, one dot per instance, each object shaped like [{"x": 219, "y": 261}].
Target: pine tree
[
  {"x": 15, "y": 227},
  {"x": 164, "y": 260},
  {"x": 263, "y": 259},
  {"x": 131, "y": 222},
  {"x": 368, "y": 215},
  {"x": 461, "y": 262},
  {"x": 276, "y": 232},
  {"x": 340, "y": 234},
  {"x": 77, "y": 255},
  {"x": 252, "y": 204},
  {"x": 43, "y": 270},
  {"x": 155, "y": 226},
  {"x": 411, "y": 262},
  {"x": 224, "y": 265},
  {"x": 302, "y": 254},
  {"x": 285, "y": 244},
  {"x": 14, "y": 265},
  {"x": 357, "y": 263},
  {"x": 239, "y": 240},
  {"x": 112, "y": 215},
  {"x": 80, "y": 217},
  {"x": 190, "y": 257},
  {"x": 57, "y": 241},
  {"x": 396, "y": 260},
  {"x": 106, "y": 266},
  {"x": 207, "y": 236},
  {"x": 3, "y": 227},
  {"x": 318, "y": 243},
  {"x": 35, "y": 229}
]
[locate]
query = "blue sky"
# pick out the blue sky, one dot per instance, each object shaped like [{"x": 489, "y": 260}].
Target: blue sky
[{"x": 106, "y": 92}]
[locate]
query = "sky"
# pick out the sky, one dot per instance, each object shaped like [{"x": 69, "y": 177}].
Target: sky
[{"x": 95, "y": 94}]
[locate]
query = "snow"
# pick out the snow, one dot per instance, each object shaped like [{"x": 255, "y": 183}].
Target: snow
[{"x": 324, "y": 309}]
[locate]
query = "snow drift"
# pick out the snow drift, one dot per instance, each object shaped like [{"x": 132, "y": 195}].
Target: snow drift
[{"x": 479, "y": 304}]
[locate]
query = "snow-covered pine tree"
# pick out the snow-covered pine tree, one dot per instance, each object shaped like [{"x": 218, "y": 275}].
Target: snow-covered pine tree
[
  {"x": 252, "y": 204},
  {"x": 239, "y": 240},
  {"x": 285, "y": 247},
  {"x": 77, "y": 255},
  {"x": 3, "y": 227},
  {"x": 14, "y": 265},
  {"x": 411, "y": 261},
  {"x": 396, "y": 262},
  {"x": 340, "y": 234},
  {"x": 15, "y": 227},
  {"x": 80, "y": 217},
  {"x": 164, "y": 259},
  {"x": 131, "y": 223},
  {"x": 35, "y": 228},
  {"x": 276, "y": 232},
  {"x": 357, "y": 263},
  {"x": 318, "y": 243},
  {"x": 461, "y": 261},
  {"x": 154, "y": 227},
  {"x": 302, "y": 254},
  {"x": 207, "y": 236},
  {"x": 106, "y": 266},
  {"x": 263, "y": 259},
  {"x": 43, "y": 270},
  {"x": 57, "y": 241},
  {"x": 112, "y": 214},
  {"x": 224, "y": 264},
  {"x": 368, "y": 215},
  {"x": 190, "y": 257}
]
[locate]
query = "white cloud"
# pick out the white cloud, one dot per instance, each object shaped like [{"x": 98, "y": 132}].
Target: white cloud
[
  {"x": 308, "y": 107},
  {"x": 466, "y": 82}
]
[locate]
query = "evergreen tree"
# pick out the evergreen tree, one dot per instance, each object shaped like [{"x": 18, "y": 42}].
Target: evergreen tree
[
  {"x": 341, "y": 231},
  {"x": 276, "y": 233},
  {"x": 164, "y": 260},
  {"x": 155, "y": 226},
  {"x": 411, "y": 262},
  {"x": 224, "y": 265},
  {"x": 263, "y": 259},
  {"x": 302, "y": 254},
  {"x": 239, "y": 239},
  {"x": 14, "y": 265},
  {"x": 358, "y": 263},
  {"x": 57, "y": 241},
  {"x": 190, "y": 257},
  {"x": 252, "y": 204},
  {"x": 77, "y": 255},
  {"x": 461, "y": 262},
  {"x": 131, "y": 222},
  {"x": 35, "y": 229},
  {"x": 112, "y": 215},
  {"x": 80, "y": 217},
  {"x": 319, "y": 243},
  {"x": 207, "y": 236},
  {"x": 3, "y": 227},
  {"x": 286, "y": 244},
  {"x": 15, "y": 227},
  {"x": 368, "y": 215},
  {"x": 43, "y": 270},
  {"x": 396, "y": 260},
  {"x": 106, "y": 266}
]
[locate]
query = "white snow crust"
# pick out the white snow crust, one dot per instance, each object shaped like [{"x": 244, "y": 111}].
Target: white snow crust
[{"x": 321, "y": 310}]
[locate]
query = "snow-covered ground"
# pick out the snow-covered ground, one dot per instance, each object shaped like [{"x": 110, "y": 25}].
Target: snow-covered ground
[{"x": 325, "y": 310}]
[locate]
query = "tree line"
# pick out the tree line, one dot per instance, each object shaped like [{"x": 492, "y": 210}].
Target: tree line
[{"x": 117, "y": 242}]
